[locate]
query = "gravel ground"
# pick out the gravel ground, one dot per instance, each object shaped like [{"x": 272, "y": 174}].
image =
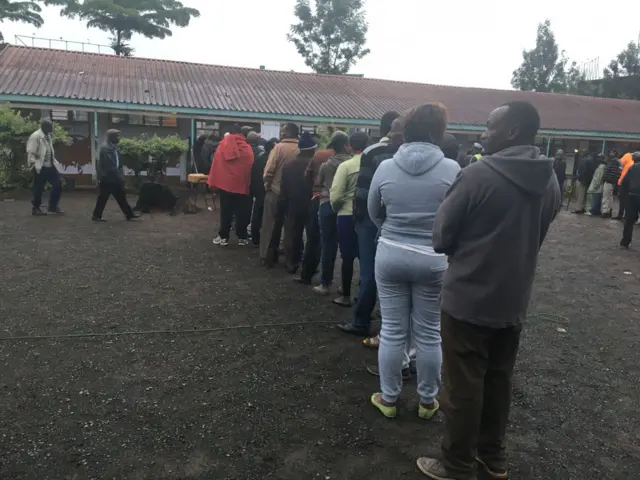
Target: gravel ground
[{"x": 283, "y": 403}]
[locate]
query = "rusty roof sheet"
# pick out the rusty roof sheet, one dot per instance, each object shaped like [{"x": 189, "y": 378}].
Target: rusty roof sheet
[{"x": 40, "y": 72}]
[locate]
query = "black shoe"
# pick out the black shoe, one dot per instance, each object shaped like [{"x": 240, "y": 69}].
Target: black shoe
[
  {"x": 353, "y": 330},
  {"x": 37, "y": 212},
  {"x": 292, "y": 269},
  {"x": 133, "y": 217},
  {"x": 623, "y": 246},
  {"x": 97, "y": 219},
  {"x": 56, "y": 211},
  {"x": 374, "y": 370},
  {"x": 301, "y": 281}
]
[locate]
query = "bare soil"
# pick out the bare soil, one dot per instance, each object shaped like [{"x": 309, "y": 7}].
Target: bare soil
[{"x": 287, "y": 402}]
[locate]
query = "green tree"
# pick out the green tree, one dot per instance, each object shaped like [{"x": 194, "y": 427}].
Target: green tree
[
  {"x": 25, "y": 12},
  {"x": 123, "y": 18},
  {"x": 332, "y": 38},
  {"x": 545, "y": 68},
  {"x": 622, "y": 76}
]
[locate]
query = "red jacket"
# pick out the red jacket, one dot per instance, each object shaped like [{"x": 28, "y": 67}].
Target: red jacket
[{"x": 231, "y": 166}]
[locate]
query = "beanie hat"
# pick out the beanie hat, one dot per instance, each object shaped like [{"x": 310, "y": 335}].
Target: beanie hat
[
  {"x": 306, "y": 142},
  {"x": 339, "y": 136}
]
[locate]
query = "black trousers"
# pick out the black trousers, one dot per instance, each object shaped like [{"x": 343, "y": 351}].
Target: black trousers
[
  {"x": 632, "y": 209},
  {"x": 294, "y": 225},
  {"x": 116, "y": 189},
  {"x": 623, "y": 198},
  {"x": 313, "y": 248},
  {"x": 478, "y": 370},
  {"x": 51, "y": 175},
  {"x": 234, "y": 204},
  {"x": 256, "y": 220}
]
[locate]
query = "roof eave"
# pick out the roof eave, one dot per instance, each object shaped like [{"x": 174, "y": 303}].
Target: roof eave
[{"x": 101, "y": 105}]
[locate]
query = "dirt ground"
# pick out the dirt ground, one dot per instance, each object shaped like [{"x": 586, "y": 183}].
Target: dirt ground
[{"x": 288, "y": 402}]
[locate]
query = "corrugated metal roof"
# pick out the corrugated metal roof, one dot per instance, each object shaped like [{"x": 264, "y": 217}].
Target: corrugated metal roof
[{"x": 39, "y": 72}]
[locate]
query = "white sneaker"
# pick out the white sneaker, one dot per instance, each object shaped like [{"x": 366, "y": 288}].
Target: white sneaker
[
  {"x": 220, "y": 241},
  {"x": 321, "y": 290},
  {"x": 243, "y": 242}
]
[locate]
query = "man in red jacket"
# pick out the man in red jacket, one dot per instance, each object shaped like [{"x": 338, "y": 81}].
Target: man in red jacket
[{"x": 230, "y": 175}]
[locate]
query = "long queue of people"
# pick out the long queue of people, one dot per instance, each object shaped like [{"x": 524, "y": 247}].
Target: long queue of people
[
  {"x": 451, "y": 253},
  {"x": 600, "y": 180}
]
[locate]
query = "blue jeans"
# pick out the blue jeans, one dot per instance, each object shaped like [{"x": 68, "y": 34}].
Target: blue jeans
[
  {"x": 329, "y": 242},
  {"x": 596, "y": 204},
  {"x": 409, "y": 285},
  {"x": 367, "y": 234}
]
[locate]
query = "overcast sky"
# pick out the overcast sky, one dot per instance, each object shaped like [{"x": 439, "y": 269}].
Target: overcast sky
[{"x": 463, "y": 42}]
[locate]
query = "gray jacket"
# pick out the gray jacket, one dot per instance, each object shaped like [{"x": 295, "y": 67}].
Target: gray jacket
[
  {"x": 326, "y": 173},
  {"x": 492, "y": 225},
  {"x": 411, "y": 186}
]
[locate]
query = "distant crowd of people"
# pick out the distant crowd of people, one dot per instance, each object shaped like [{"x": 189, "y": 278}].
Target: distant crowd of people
[{"x": 450, "y": 252}]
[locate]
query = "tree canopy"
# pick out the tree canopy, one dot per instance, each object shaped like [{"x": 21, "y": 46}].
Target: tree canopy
[
  {"x": 331, "y": 38},
  {"x": 26, "y": 12},
  {"x": 545, "y": 68},
  {"x": 123, "y": 18},
  {"x": 622, "y": 76}
]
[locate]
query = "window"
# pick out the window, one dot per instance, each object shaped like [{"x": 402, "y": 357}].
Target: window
[
  {"x": 117, "y": 118},
  {"x": 152, "y": 120},
  {"x": 78, "y": 116},
  {"x": 60, "y": 115},
  {"x": 171, "y": 122},
  {"x": 135, "y": 120}
]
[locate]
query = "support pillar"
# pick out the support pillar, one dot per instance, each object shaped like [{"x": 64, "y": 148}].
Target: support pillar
[{"x": 548, "y": 146}]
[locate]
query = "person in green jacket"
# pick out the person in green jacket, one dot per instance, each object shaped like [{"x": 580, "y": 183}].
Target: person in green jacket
[{"x": 343, "y": 189}]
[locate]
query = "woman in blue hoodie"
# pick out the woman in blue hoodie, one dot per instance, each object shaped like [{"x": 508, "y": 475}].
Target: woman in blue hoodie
[{"x": 411, "y": 186}]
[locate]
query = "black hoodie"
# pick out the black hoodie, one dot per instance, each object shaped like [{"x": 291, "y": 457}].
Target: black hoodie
[{"x": 492, "y": 224}]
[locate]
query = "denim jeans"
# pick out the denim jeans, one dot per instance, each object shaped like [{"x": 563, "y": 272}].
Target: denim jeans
[
  {"x": 409, "y": 285},
  {"x": 367, "y": 234},
  {"x": 596, "y": 204},
  {"x": 329, "y": 241}
]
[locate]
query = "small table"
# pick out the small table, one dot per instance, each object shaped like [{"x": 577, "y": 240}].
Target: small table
[{"x": 198, "y": 181}]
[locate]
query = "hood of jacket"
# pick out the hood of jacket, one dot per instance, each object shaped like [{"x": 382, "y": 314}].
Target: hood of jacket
[
  {"x": 417, "y": 158},
  {"x": 522, "y": 166},
  {"x": 338, "y": 158}
]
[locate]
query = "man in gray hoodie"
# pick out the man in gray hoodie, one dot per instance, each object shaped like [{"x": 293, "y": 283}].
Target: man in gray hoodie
[{"x": 491, "y": 225}]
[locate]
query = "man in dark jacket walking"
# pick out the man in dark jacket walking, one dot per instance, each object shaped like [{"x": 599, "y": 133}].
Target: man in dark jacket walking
[
  {"x": 491, "y": 225},
  {"x": 560, "y": 168},
  {"x": 612, "y": 170},
  {"x": 111, "y": 179},
  {"x": 631, "y": 185}
]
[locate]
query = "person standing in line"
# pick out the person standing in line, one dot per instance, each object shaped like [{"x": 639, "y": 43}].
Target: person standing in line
[
  {"x": 230, "y": 175},
  {"x": 560, "y": 168},
  {"x": 476, "y": 153},
  {"x": 611, "y": 176},
  {"x": 366, "y": 230},
  {"x": 491, "y": 224},
  {"x": 256, "y": 191},
  {"x": 111, "y": 179},
  {"x": 342, "y": 192},
  {"x": 625, "y": 162},
  {"x": 283, "y": 153},
  {"x": 326, "y": 216},
  {"x": 450, "y": 146},
  {"x": 631, "y": 185},
  {"x": 585, "y": 171},
  {"x": 411, "y": 186},
  {"x": 41, "y": 159},
  {"x": 313, "y": 247},
  {"x": 295, "y": 197},
  {"x": 596, "y": 187}
]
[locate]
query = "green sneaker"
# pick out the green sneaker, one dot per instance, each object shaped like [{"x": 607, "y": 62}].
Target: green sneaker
[
  {"x": 389, "y": 412},
  {"x": 428, "y": 413}
]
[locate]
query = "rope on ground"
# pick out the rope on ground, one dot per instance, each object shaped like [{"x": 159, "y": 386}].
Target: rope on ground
[
  {"x": 161, "y": 332},
  {"x": 64, "y": 336}
]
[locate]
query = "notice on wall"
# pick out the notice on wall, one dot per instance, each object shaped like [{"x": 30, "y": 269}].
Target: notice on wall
[{"x": 270, "y": 130}]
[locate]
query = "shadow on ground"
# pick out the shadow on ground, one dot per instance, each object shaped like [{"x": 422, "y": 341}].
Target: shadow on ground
[{"x": 284, "y": 403}]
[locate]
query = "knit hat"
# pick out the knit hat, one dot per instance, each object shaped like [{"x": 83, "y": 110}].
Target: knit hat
[
  {"x": 307, "y": 142},
  {"x": 340, "y": 136},
  {"x": 253, "y": 138}
]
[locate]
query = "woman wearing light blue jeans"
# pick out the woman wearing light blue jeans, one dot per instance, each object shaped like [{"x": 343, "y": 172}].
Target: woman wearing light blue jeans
[{"x": 411, "y": 186}]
